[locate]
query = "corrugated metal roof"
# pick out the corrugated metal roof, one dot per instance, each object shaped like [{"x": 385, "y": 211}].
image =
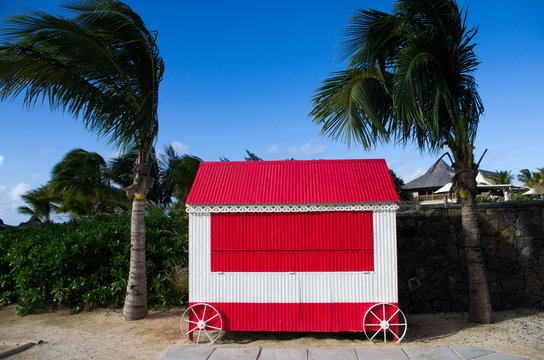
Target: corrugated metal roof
[{"x": 292, "y": 182}]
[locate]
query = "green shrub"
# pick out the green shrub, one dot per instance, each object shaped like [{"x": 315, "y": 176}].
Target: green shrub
[{"x": 86, "y": 263}]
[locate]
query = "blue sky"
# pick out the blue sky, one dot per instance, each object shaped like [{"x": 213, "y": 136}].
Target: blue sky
[{"x": 241, "y": 75}]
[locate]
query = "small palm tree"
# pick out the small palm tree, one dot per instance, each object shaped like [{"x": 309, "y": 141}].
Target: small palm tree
[
  {"x": 80, "y": 180},
  {"x": 177, "y": 174},
  {"x": 251, "y": 156},
  {"x": 40, "y": 202},
  {"x": 502, "y": 177},
  {"x": 409, "y": 79},
  {"x": 531, "y": 178},
  {"x": 102, "y": 65}
]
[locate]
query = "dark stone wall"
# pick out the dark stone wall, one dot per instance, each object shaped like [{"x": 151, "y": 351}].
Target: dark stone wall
[{"x": 431, "y": 258}]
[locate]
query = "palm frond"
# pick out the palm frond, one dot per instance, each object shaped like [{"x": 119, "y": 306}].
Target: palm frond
[
  {"x": 409, "y": 79},
  {"x": 101, "y": 65},
  {"x": 40, "y": 202},
  {"x": 354, "y": 106}
]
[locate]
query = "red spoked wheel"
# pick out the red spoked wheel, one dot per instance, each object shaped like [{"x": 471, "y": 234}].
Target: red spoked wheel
[
  {"x": 201, "y": 324},
  {"x": 387, "y": 319}
]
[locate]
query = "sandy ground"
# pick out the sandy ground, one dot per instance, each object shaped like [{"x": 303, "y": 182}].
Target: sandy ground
[{"x": 103, "y": 334}]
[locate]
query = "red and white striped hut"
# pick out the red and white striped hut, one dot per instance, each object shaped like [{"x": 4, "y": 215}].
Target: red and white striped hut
[{"x": 292, "y": 246}]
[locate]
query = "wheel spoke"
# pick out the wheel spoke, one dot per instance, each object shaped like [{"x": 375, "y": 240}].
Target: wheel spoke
[
  {"x": 213, "y": 317},
  {"x": 398, "y": 324},
  {"x": 209, "y": 337},
  {"x": 392, "y": 332},
  {"x": 190, "y": 331},
  {"x": 373, "y": 336},
  {"x": 192, "y": 322},
  {"x": 213, "y": 327},
  {"x": 376, "y": 316},
  {"x": 193, "y": 310},
  {"x": 384, "y": 336},
  {"x": 204, "y": 313},
  {"x": 198, "y": 338},
  {"x": 396, "y": 312}
]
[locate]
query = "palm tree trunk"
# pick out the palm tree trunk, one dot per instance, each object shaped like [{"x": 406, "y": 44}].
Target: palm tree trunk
[
  {"x": 136, "y": 299},
  {"x": 480, "y": 304}
]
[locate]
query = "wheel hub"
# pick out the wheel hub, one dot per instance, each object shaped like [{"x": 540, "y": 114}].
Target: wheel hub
[
  {"x": 384, "y": 324},
  {"x": 201, "y": 325}
]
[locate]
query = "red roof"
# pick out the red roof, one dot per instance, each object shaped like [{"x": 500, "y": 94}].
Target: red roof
[{"x": 292, "y": 182}]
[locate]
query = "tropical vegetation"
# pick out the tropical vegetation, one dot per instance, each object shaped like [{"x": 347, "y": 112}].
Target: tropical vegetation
[
  {"x": 399, "y": 183},
  {"x": 531, "y": 178},
  {"x": 83, "y": 185},
  {"x": 251, "y": 156},
  {"x": 85, "y": 264},
  {"x": 101, "y": 64},
  {"x": 502, "y": 177},
  {"x": 409, "y": 78},
  {"x": 40, "y": 202}
]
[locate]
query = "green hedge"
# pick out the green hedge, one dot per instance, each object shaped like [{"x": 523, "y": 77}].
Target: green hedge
[{"x": 86, "y": 263}]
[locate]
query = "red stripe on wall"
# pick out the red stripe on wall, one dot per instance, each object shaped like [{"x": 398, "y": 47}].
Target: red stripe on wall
[
  {"x": 323, "y": 317},
  {"x": 275, "y": 261},
  {"x": 268, "y": 242}
]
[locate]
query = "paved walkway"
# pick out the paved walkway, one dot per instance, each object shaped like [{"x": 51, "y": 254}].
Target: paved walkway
[{"x": 406, "y": 353}]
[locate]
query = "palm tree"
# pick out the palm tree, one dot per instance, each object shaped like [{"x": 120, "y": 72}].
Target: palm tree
[
  {"x": 251, "y": 156},
  {"x": 177, "y": 174},
  {"x": 40, "y": 202},
  {"x": 531, "y": 178},
  {"x": 409, "y": 79},
  {"x": 502, "y": 177},
  {"x": 80, "y": 180},
  {"x": 100, "y": 64}
]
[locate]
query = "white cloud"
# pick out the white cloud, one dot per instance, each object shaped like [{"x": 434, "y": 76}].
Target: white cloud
[
  {"x": 406, "y": 167},
  {"x": 308, "y": 149},
  {"x": 179, "y": 146},
  {"x": 272, "y": 150},
  {"x": 1, "y": 159},
  {"x": 17, "y": 191},
  {"x": 9, "y": 203}
]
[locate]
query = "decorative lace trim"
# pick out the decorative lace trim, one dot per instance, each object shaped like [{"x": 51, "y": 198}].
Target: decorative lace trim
[{"x": 207, "y": 209}]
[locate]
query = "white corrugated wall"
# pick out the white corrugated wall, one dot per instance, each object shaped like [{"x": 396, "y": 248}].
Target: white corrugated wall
[{"x": 301, "y": 287}]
